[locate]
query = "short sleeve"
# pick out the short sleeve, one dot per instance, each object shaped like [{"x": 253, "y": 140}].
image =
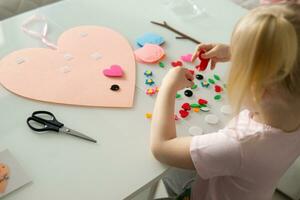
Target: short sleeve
[{"x": 215, "y": 154}]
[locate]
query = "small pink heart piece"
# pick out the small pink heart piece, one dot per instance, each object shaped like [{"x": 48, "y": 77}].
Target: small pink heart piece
[
  {"x": 187, "y": 58},
  {"x": 113, "y": 71}
]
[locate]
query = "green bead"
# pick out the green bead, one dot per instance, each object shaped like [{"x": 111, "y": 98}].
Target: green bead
[
  {"x": 217, "y": 77},
  {"x": 161, "y": 64},
  {"x": 178, "y": 96},
  {"x": 195, "y": 105},
  {"x": 194, "y": 86},
  {"x": 211, "y": 81},
  {"x": 203, "y": 105},
  {"x": 217, "y": 97}
]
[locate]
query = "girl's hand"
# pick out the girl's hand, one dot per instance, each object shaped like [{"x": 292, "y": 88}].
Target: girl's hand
[
  {"x": 178, "y": 78},
  {"x": 215, "y": 52}
]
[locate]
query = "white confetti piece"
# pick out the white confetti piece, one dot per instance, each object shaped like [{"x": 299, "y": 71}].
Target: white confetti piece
[
  {"x": 68, "y": 56},
  {"x": 83, "y": 34},
  {"x": 195, "y": 130},
  {"x": 96, "y": 56},
  {"x": 65, "y": 69},
  {"x": 20, "y": 60},
  {"x": 226, "y": 110},
  {"x": 205, "y": 109},
  {"x": 211, "y": 119}
]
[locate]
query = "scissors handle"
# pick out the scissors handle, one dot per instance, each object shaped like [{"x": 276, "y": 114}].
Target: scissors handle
[{"x": 43, "y": 124}]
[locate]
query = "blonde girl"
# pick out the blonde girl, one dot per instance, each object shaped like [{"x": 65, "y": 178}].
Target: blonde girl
[{"x": 245, "y": 159}]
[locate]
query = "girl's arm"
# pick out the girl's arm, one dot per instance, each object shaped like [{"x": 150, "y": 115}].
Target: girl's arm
[{"x": 165, "y": 145}]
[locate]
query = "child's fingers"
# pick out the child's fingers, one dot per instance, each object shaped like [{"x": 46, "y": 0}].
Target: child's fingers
[
  {"x": 199, "y": 47},
  {"x": 213, "y": 64},
  {"x": 189, "y": 75},
  {"x": 210, "y": 54}
]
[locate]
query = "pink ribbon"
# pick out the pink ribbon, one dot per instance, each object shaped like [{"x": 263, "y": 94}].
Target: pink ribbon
[{"x": 40, "y": 35}]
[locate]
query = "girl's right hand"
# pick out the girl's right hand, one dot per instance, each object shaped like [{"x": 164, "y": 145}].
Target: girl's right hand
[{"x": 215, "y": 52}]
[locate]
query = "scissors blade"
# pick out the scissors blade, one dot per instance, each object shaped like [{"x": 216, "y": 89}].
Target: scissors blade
[{"x": 76, "y": 134}]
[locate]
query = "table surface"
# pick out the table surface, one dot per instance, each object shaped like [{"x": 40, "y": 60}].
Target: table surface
[{"x": 121, "y": 163}]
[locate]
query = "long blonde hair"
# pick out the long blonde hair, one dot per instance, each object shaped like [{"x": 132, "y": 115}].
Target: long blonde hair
[{"x": 265, "y": 48}]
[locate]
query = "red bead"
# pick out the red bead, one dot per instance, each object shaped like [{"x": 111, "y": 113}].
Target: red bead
[
  {"x": 218, "y": 88},
  {"x": 183, "y": 113},
  {"x": 176, "y": 63},
  {"x": 186, "y": 106},
  {"x": 202, "y": 101}
]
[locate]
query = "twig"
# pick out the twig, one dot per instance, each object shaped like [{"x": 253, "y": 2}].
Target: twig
[{"x": 182, "y": 35}]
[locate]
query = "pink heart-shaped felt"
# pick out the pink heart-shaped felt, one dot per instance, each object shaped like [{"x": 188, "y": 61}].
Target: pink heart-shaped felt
[
  {"x": 187, "y": 58},
  {"x": 113, "y": 71},
  {"x": 70, "y": 74}
]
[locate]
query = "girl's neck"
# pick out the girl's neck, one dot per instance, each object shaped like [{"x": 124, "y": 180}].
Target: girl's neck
[{"x": 286, "y": 118}]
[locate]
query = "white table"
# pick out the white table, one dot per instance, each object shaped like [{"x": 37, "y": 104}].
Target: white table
[{"x": 63, "y": 167}]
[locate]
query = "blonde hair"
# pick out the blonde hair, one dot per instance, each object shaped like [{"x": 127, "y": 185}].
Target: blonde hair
[{"x": 265, "y": 53}]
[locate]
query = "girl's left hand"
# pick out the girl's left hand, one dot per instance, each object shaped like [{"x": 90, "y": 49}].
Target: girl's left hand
[{"x": 178, "y": 78}]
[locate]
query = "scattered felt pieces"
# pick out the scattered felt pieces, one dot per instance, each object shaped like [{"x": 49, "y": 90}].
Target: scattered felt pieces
[
  {"x": 188, "y": 93},
  {"x": 211, "y": 81},
  {"x": 194, "y": 86},
  {"x": 149, "y": 53},
  {"x": 161, "y": 64},
  {"x": 113, "y": 71},
  {"x": 196, "y": 110},
  {"x": 195, "y": 105},
  {"x": 211, "y": 119},
  {"x": 176, "y": 63},
  {"x": 191, "y": 71},
  {"x": 226, "y": 110},
  {"x": 202, "y": 101},
  {"x": 205, "y": 109},
  {"x": 203, "y": 62},
  {"x": 218, "y": 88},
  {"x": 115, "y": 87},
  {"x": 151, "y": 91},
  {"x": 195, "y": 130},
  {"x": 205, "y": 84},
  {"x": 199, "y": 77},
  {"x": 148, "y": 73},
  {"x": 149, "y": 81},
  {"x": 186, "y": 106},
  {"x": 148, "y": 115},
  {"x": 178, "y": 96},
  {"x": 150, "y": 38},
  {"x": 183, "y": 113},
  {"x": 187, "y": 58},
  {"x": 217, "y": 97},
  {"x": 217, "y": 77}
]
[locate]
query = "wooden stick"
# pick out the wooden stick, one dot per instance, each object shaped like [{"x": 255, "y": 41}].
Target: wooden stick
[{"x": 182, "y": 35}]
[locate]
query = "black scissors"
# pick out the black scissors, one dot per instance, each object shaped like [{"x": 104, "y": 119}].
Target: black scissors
[{"x": 41, "y": 121}]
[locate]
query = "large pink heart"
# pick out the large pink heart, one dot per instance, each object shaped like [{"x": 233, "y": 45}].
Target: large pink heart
[{"x": 72, "y": 74}]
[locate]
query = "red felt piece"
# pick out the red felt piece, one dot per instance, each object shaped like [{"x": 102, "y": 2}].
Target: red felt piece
[
  {"x": 218, "y": 88},
  {"x": 176, "y": 63},
  {"x": 203, "y": 62},
  {"x": 186, "y": 106},
  {"x": 183, "y": 113},
  {"x": 202, "y": 101},
  {"x": 192, "y": 71}
]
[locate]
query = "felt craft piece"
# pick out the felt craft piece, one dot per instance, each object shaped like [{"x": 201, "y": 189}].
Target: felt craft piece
[
  {"x": 187, "y": 58},
  {"x": 149, "y": 53},
  {"x": 150, "y": 38},
  {"x": 211, "y": 119},
  {"x": 40, "y": 76},
  {"x": 4, "y": 176},
  {"x": 113, "y": 71},
  {"x": 226, "y": 110}
]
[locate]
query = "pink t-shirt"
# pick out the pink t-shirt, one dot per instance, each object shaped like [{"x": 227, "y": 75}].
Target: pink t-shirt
[{"x": 243, "y": 161}]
